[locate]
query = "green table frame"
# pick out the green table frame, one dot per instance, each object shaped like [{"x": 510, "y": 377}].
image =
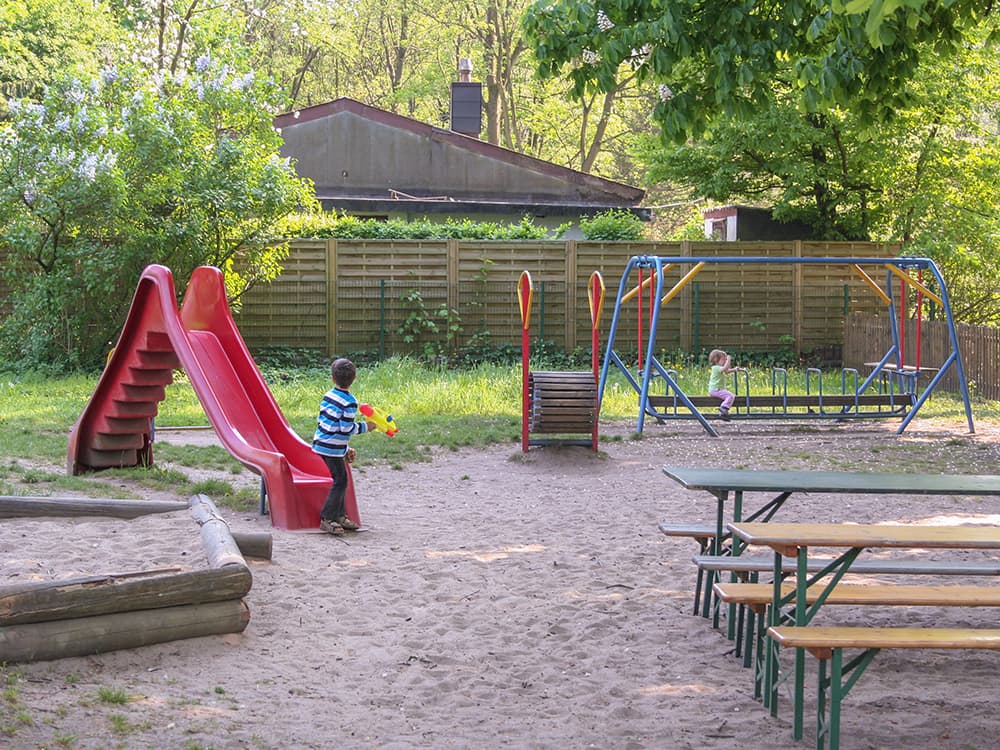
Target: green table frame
[
  {"x": 725, "y": 482},
  {"x": 794, "y": 540}
]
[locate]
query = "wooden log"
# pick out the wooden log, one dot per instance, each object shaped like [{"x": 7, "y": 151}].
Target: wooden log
[
  {"x": 15, "y": 507},
  {"x": 99, "y": 595},
  {"x": 220, "y": 547},
  {"x": 254, "y": 543},
  {"x": 83, "y": 636}
]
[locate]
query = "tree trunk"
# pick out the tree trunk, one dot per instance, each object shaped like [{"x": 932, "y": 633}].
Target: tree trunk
[
  {"x": 108, "y": 594},
  {"x": 15, "y": 507},
  {"x": 83, "y": 636}
]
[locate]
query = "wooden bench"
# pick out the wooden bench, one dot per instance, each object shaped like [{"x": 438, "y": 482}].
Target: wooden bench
[
  {"x": 748, "y": 567},
  {"x": 827, "y": 645},
  {"x": 758, "y": 597}
]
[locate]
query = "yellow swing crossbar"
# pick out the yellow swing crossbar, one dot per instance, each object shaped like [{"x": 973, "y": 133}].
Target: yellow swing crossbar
[
  {"x": 871, "y": 282},
  {"x": 915, "y": 284},
  {"x": 645, "y": 283},
  {"x": 682, "y": 283}
]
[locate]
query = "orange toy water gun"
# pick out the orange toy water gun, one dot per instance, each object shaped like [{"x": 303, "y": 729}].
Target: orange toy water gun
[{"x": 382, "y": 421}]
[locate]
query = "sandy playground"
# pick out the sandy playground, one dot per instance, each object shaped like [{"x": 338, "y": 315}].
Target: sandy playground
[{"x": 499, "y": 600}]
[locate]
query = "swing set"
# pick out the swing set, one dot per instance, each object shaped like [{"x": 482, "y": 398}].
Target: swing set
[{"x": 889, "y": 390}]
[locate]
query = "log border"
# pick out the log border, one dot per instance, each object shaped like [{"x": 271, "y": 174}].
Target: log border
[{"x": 99, "y": 613}]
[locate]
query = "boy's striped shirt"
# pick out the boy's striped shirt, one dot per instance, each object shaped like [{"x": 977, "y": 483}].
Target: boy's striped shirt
[{"x": 335, "y": 424}]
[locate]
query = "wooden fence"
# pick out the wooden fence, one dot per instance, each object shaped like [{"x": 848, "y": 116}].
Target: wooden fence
[
  {"x": 345, "y": 296},
  {"x": 979, "y": 346}
]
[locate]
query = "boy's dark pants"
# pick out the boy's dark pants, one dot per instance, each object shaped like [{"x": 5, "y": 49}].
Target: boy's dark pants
[{"x": 334, "y": 506}]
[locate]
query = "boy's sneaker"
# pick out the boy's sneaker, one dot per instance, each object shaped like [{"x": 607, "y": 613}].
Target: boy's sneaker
[
  {"x": 347, "y": 523},
  {"x": 331, "y": 527}
]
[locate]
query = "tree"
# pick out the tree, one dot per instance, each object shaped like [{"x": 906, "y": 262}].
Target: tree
[
  {"x": 101, "y": 178},
  {"x": 710, "y": 59},
  {"x": 820, "y": 169},
  {"x": 39, "y": 38},
  {"x": 925, "y": 180}
]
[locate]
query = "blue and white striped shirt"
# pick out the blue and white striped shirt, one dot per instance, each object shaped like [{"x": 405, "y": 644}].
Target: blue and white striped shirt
[{"x": 336, "y": 424}]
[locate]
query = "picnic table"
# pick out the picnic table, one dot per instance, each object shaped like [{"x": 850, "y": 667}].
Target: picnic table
[
  {"x": 723, "y": 483},
  {"x": 793, "y": 540}
]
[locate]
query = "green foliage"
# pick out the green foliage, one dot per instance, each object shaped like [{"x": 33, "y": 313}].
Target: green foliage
[
  {"x": 926, "y": 180},
  {"x": 101, "y": 178},
  {"x": 613, "y": 225},
  {"x": 40, "y": 39},
  {"x": 434, "y": 329},
  {"x": 318, "y": 224},
  {"x": 724, "y": 60}
]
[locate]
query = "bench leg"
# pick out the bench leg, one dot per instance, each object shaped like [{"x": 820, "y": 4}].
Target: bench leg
[
  {"x": 837, "y": 694},
  {"x": 737, "y": 636},
  {"x": 835, "y": 688}
]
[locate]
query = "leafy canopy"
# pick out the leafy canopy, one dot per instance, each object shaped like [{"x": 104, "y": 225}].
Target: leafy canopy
[
  {"x": 711, "y": 58},
  {"x": 102, "y": 177}
]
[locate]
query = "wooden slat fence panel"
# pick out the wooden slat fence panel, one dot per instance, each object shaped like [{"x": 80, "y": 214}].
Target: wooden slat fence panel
[
  {"x": 736, "y": 306},
  {"x": 867, "y": 338}
]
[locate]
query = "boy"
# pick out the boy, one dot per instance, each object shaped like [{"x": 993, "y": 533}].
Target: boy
[{"x": 334, "y": 428}]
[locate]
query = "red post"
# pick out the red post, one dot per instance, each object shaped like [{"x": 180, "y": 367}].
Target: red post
[
  {"x": 639, "y": 319},
  {"x": 902, "y": 324},
  {"x": 595, "y": 295},
  {"x": 524, "y": 291},
  {"x": 920, "y": 314}
]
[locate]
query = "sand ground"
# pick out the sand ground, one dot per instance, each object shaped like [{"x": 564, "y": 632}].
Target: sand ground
[{"x": 503, "y": 600}]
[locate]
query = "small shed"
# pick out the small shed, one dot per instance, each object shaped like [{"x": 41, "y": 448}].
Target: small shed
[
  {"x": 749, "y": 224},
  {"x": 372, "y": 163}
]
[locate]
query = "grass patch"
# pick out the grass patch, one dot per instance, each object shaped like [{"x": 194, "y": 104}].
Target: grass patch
[
  {"x": 115, "y": 696},
  {"x": 434, "y": 408}
]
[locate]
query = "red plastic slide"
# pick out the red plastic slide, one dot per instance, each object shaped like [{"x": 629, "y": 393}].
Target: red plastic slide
[{"x": 115, "y": 428}]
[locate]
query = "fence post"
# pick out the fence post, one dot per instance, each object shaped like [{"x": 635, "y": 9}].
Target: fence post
[
  {"x": 686, "y": 314},
  {"x": 331, "y": 296},
  {"x": 570, "y": 276},
  {"x": 452, "y": 272},
  {"x": 381, "y": 319},
  {"x": 695, "y": 333},
  {"x": 798, "y": 310}
]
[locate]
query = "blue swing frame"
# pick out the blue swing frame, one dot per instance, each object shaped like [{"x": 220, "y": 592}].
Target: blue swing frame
[{"x": 651, "y": 366}]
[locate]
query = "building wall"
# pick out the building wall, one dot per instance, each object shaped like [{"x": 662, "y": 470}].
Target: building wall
[{"x": 349, "y": 154}]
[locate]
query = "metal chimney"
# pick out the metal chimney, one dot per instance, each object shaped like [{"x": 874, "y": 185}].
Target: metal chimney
[{"x": 466, "y": 101}]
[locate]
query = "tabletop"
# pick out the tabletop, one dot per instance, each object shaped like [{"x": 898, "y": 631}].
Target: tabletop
[
  {"x": 794, "y": 535},
  {"x": 749, "y": 480}
]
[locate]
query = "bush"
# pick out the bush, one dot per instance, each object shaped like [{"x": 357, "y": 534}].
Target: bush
[
  {"x": 334, "y": 226},
  {"x": 613, "y": 225}
]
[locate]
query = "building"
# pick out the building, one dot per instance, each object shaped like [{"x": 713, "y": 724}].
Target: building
[
  {"x": 368, "y": 162},
  {"x": 749, "y": 224}
]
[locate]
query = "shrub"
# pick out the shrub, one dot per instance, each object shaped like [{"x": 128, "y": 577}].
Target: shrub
[{"x": 616, "y": 224}]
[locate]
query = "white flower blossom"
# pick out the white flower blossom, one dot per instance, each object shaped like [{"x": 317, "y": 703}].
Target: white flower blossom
[
  {"x": 62, "y": 124},
  {"x": 603, "y": 22},
  {"x": 75, "y": 93},
  {"x": 202, "y": 63},
  {"x": 109, "y": 75},
  {"x": 665, "y": 92},
  {"x": 244, "y": 82},
  {"x": 590, "y": 57},
  {"x": 87, "y": 169}
]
